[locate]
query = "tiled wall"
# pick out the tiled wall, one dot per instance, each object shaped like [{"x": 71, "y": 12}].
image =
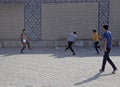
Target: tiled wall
[
  {"x": 115, "y": 19},
  {"x": 32, "y": 14}
]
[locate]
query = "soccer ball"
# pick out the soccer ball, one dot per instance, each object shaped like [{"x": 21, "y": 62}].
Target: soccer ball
[{"x": 57, "y": 48}]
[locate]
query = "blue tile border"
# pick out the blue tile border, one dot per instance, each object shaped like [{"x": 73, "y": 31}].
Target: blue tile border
[{"x": 32, "y": 14}]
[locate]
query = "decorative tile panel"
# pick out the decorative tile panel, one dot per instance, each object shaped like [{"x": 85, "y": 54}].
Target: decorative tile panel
[
  {"x": 103, "y": 14},
  {"x": 32, "y": 15}
]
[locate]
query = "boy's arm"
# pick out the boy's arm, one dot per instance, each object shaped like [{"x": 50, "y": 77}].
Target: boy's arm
[{"x": 105, "y": 44}]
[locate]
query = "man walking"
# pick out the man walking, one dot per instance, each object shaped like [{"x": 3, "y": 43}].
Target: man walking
[
  {"x": 71, "y": 39},
  {"x": 107, "y": 47}
]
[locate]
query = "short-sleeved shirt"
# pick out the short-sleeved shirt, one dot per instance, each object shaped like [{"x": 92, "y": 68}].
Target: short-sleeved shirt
[
  {"x": 108, "y": 36},
  {"x": 95, "y": 37},
  {"x": 72, "y": 37}
]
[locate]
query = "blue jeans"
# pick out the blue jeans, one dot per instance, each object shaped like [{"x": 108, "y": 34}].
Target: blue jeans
[{"x": 96, "y": 46}]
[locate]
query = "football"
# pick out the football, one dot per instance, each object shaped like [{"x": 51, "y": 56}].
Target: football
[{"x": 57, "y": 48}]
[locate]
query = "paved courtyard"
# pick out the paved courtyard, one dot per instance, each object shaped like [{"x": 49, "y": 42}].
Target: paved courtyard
[{"x": 47, "y": 67}]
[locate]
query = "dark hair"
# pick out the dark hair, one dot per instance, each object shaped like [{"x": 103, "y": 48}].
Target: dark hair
[
  {"x": 94, "y": 30},
  {"x": 23, "y": 29},
  {"x": 105, "y": 27},
  {"x": 74, "y": 32}
]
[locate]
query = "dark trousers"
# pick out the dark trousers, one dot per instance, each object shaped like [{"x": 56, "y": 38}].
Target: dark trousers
[
  {"x": 24, "y": 46},
  {"x": 96, "y": 46},
  {"x": 107, "y": 58},
  {"x": 70, "y": 43},
  {"x": 28, "y": 44}
]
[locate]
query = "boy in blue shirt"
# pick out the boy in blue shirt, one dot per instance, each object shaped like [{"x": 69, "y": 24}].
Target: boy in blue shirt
[{"x": 107, "y": 37}]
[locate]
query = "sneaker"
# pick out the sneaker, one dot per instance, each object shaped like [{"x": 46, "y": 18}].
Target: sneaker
[
  {"x": 114, "y": 70},
  {"x": 73, "y": 54},
  {"x": 101, "y": 70}
]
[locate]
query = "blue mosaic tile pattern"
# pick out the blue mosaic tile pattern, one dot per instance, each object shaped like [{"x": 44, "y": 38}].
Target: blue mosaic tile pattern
[
  {"x": 33, "y": 14},
  {"x": 103, "y": 14},
  {"x": 32, "y": 19}
]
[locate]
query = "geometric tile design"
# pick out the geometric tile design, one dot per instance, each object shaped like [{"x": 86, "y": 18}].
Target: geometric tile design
[
  {"x": 33, "y": 13},
  {"x": 103, "y": 15},
  {"x": 33, "y": 18}
]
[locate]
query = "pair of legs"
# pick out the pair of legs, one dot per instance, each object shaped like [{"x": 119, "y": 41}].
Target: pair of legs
[
  {"x": 96, "y": 46},
  {"x": 107, "y": 58},
  {"x": 24, "y": 46},
  {"x": 70, "y": 43}
]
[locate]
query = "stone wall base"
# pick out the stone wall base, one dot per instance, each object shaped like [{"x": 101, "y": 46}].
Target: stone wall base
[{"x": 84, "y": 43}]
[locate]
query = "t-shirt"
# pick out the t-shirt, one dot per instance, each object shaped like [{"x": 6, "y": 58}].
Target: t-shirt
[
  {"x": 72, "y": 37},
  {"x": 108, "y": 36},
  {"x": 95, "y": 37}
]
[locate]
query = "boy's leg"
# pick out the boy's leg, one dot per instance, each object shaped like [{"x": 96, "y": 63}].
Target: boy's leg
[
  {"x": 103, "y": 62},
  {"x": 24, "y": 46},
  {"x": 110, "y": 61},
  {"x": 96, "y": 47},
  {"x": 72, "y": 48},
  {"x": 28, "y": 45}
]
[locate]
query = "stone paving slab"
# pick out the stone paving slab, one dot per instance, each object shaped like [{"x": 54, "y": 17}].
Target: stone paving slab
[{"x": 47, "y": 67}]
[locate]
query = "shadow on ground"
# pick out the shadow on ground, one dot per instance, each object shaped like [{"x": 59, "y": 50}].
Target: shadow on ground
[
  {"x": 96, "y": 76},
  {"x": 61, "y": 53}
]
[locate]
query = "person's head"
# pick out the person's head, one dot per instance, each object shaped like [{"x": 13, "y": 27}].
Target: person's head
[
  {"x": 94, "y": 31},
  {"x": 74, "y": 32},
  {"x": 23, "y": 29},
  {"x": 105, "y": 27}
]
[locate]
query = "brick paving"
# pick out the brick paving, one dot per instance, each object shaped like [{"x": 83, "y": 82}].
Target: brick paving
[{"x": 47, "y": 67}]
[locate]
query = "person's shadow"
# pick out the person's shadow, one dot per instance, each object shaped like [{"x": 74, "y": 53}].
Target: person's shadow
[{"x": 92, "y": 78}]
